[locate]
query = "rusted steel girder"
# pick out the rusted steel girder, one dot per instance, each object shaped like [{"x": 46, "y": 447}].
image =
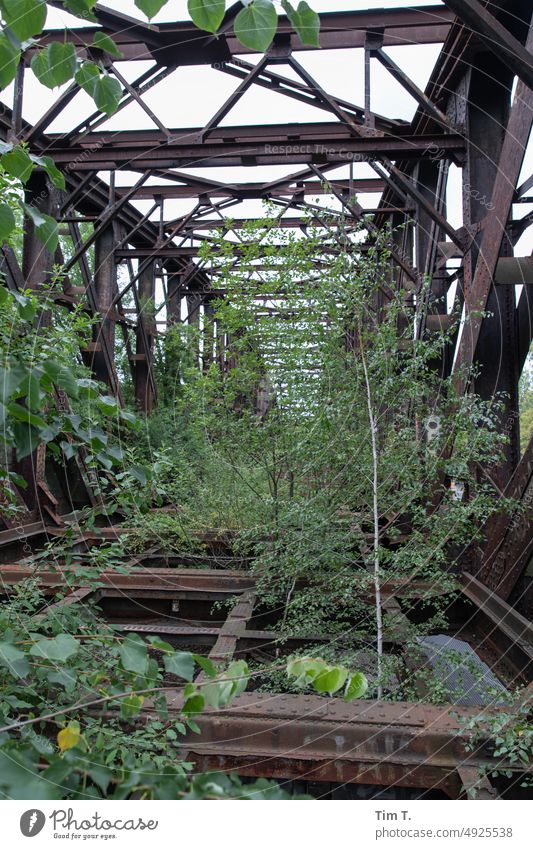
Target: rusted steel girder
[
  {"x": 182, "y": 41},
  {"x": 316, "y": 739},
  {"x": 283, "y": 144}
]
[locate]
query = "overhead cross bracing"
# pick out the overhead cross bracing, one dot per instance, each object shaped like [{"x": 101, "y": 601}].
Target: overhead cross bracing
[{"x": 444, "y": 161}]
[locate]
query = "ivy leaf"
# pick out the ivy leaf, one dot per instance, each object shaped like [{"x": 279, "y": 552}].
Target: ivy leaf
[
  {"x": 56, "y": 648},
  {"x": 25, "y": 18},
  {"x": 46, "y": 227},
  {"x": 330, "y": 680},
  {"x": 133, "y": 654},
  {"x": 18, "y": 163},
  {"x": 14, "y": 659},
  {"x": 181, "y": 663},
  {"x": 356, "y": 687},
  {"x": 207, "y": 14},
  {"x": 105, "y": 43},
  {"x": 55, "y": 64},
  {"x": 69, "y": 737},
  {"x": 108, "y": 405},
  {"x": 255, "y": 26},
  {"x": 7, "y": 219},
  {"x": 49, "y": 166},
  {"x": 305, "y": 21},
  {"x": 150, "y": 7},
  {"x": 9, "y": 60}
]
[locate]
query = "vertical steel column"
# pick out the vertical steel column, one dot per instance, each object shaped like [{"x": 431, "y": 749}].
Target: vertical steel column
[
  {"x": 144, "y": 395},
  {"x": 489, "y": 100},
  {"x": 105, "y": 285}
]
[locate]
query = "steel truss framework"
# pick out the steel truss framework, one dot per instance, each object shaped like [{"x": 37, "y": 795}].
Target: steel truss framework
[{"x": 474, "y": 115}]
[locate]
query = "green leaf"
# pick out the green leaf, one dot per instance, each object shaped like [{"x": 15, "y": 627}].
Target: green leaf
[
  {"x": 139, "y": 474},
  {"x": 55, "y": 64},
  {"x": 9, "y": 60},
  {"x": 330, "y": 680},
  {"x": 106, "y": 91},
  {"x": 18, "y": 163},
  {"x": 49, "y": 166},
  {"x": 108, "y": 405},
  {"x": 56, "y": 648},
  {"x": 305, "y": 21},
  {"x": 195, "y": 704},
  {"x": 101, "y": 776},
  {"x": 7, "y": 221},
  {"x": 238, "y": 672},
  {"x": 26, "y": 439},
  {"x": 46, "y": 227},
  {"x": 150, "y": 7},
  {"x": 130, "y": 706},
  {"x": 207, "y": 665},
  {"x": 25, "y": 18},
  {"x": 11, "y": 377},
  {"x": 14, "y": 659},
  {"x": 81, "y": 9},
  {"x": 105, "y": 43},
  {"x": 255, "y": 26},
  {"x": 134, "y": 655},
  {"x": 181, "y": 663},
  {"x": 22, "y": 414},
  {"x": 356, "y": 687},
  {"x": 62, "y": 377},
  {"x": 162, "y": 645},
  {"x": 207, "y": 14}
]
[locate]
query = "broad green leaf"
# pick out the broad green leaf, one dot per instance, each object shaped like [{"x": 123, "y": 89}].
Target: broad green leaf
[
  {"x": 305, "y": 21},
  {"x": 162, "y": 645},
  {"x": 238, "y": 672},
  {"x": 207, "y": 665},
  {"x": 7, "y": 221},
  {"x": 194, "y": 704},
  {"x": 356, "y": 687},
  {"x": 139, "y": 474},
  {"x": 207, "y": 14},
  {"x": 101, "y": 776},
  {"x": 181, "y": 663},
  {"x": 55, "y": 64},
  {"x": 25, "y": 18},
  {"x": 134, "y": 655},
  {"x": 56, "y": 648},
  {"x": 255, "y": 26},
  {"x": 26, "y": 309},
  {"x": 18, "y": 163},
  {"x": 9, "y": 59},
  {"x": 66, "y": 678},
  {"x": 69, "y": 737},
  {"x": 81, "y": 9},
  {"x": 130, "y": 706},
  {"x": 11, "y": 377},
  {"x": 150, "y": 7},
  {"x": 49, "y": 166},
  {"x": 330, "y": 680},
  {"x": 14, "y": 659},
  {"x": 62, "y": 377},
  {"x": 105, "y": 43},
  {"x": 22, "y": 414},
  {"x": 108, "y": 405},
  {"x": 46, "y": 227},
  {"x": 217, "y": 693},
  {"x": 26, "y": 439},
  {"x": 106, "y": 91}
]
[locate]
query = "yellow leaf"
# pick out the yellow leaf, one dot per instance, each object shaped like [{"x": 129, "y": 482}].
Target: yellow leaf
[{"x": 69, "y": 736}]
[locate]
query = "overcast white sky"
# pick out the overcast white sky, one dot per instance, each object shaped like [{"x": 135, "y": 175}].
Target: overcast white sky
[{"x": 190, "y": 96}]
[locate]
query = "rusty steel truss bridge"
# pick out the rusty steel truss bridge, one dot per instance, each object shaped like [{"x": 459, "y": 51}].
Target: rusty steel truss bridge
[{"x": 472, "y": 120}]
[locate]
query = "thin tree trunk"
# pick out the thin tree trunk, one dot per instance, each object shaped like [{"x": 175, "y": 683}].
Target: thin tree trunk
[{"x": 377, "y": 575}]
